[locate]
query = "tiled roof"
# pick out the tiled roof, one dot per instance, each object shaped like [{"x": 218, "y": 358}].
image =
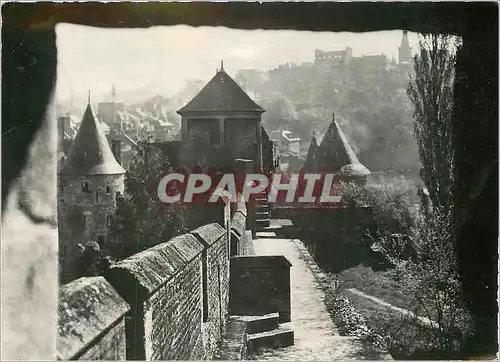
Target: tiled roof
[
  {"x": 336, "y": 151},
  {"x": 221, "y": 94},
  {"x": 287, "y": 135},
  {"x": 311, "y": 161},
  {"x": 90, "y": 153}
]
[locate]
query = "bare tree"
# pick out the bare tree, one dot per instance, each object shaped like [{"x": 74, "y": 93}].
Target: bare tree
[{"x": 431, "y": 91}]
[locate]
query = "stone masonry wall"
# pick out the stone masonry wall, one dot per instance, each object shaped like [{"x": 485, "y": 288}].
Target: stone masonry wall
[
  {"x": 163, "y": 285},
  {"x": 84, "y": 216},
  {"x": 173, "y": 317},
  {"x": 91, "y": 321},
  {"x": 169, "y": 302},
  {"x": 260, "y": 285},
  {"x": 215, "y": 266}
]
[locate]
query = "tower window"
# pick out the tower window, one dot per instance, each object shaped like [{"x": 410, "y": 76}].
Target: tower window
[
  {"x": 109, "y": 220},
  {"x": 85, "y": 186},
  {"x": 97, "y": 197},
  {"x": 108, "y": 189}
]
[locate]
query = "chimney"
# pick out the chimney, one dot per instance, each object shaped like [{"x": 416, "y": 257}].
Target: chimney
[{"x": 116, "y": 148}]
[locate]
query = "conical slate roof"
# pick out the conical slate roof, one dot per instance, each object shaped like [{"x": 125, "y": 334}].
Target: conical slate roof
[
  {"x": 221, "y": 94},
  {"x": 338, "y": 153},
  {"x": 90, "y": 153},
  {"x": 311, "y": 161}
]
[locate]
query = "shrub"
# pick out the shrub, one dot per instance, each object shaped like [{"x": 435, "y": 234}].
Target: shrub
[
  {"x": 432, "y": 279},
  {"x": 421, "y": 247},
  {"x": 431, "y": 282},
  {"x": 395, "y": 210}
]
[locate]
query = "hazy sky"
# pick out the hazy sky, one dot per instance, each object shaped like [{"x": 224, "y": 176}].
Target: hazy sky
[{"x": 160, "y": 59}]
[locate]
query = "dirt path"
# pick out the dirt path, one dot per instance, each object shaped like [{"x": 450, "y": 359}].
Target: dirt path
[
  {"x": 316, "y": 336},
  {"x": 424, "y": 321}
]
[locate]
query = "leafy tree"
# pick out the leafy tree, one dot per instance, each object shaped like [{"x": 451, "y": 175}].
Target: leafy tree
[
  {"x": 280, "y": 111},
  {"x": 142, "y": 220},
  {"x": 431, "y": 91},
  {"x": 91, "y": 262}
]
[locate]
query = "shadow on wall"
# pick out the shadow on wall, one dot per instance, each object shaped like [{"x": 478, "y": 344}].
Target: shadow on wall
[
  {"x": 169, "y": 302},
  {"x": 172, "y": 301}
]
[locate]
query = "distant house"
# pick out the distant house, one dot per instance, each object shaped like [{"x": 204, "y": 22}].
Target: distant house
[
  {"x": 138, "y": 122},
  {"x": 290, "y": 142}
]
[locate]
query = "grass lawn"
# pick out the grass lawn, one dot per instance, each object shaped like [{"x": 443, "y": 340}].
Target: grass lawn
[
  {"x": 381, "y": 284},
  {"x": 403, "y": 335}
]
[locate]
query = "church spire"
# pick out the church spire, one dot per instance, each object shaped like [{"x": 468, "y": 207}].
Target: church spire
[
  {"x": 113, "y": 92},
  {"x": 405, "y": 49},
  {"x": 89, "y": 98},
  {"x": 405, "y": 40},
  {"x": 221, "y": 65}
]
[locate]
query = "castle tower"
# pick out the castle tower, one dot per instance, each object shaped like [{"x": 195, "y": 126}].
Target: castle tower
[
  {"x": 89, "y": 181},
  {"x": 337, "y": 155},
  {"x": 222, "y": 116},
  {"x": 405, "y": 49}
]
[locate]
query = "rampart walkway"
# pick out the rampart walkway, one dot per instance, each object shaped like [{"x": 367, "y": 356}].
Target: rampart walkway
[{"x": 316, "y": 336}]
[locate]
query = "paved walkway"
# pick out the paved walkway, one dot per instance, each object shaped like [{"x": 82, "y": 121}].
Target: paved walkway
[{"x": 316, "y": 337}]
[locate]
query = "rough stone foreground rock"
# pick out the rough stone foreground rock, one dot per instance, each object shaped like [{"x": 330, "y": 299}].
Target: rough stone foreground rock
[
  {"x": 29, "y": 255},
  {"x": 87, "y": 307}
]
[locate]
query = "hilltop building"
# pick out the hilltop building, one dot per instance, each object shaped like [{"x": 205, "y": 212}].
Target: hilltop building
[
  {"x": 90, "y": 178},
  {"x": 333, "y": 58},
  {"x": 339, "y": 67}
]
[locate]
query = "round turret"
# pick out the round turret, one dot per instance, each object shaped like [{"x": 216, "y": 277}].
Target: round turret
[{"x": 89, "y": 181}]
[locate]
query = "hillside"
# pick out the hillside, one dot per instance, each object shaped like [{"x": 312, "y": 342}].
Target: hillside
[{"x": 374, "y": 112}]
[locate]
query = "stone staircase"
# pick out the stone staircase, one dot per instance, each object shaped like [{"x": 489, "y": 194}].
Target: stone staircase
[
  {"x": 266, "y": 332},
  {"x": 262, "y": 212}
]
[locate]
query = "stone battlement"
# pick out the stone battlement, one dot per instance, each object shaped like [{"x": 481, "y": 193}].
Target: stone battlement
[{"x": 169, "y": 302}]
